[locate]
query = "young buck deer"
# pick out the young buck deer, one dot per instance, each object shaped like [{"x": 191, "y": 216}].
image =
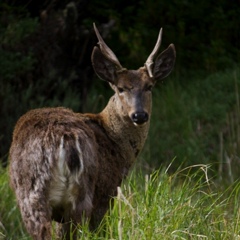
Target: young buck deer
[{"x": 66, "y": 166}]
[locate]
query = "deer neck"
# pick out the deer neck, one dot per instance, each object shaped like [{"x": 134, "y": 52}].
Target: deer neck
[{"x": 121, "y": 129}]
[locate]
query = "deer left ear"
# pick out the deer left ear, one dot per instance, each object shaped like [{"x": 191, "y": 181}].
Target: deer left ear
[
  {"x": 164, "y": 63},
  {"x": 104, "y": 61}
]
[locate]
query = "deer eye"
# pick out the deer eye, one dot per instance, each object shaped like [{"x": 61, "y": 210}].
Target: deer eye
[
  {"x": 149, "y": 88},
  {"x": 121, "y": 90}
]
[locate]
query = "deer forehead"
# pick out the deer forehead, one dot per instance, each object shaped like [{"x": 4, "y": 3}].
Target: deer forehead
[{"x": 134, "y": 79}]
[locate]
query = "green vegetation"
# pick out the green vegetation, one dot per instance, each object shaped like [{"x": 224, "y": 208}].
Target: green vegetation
[
  {"x": 183, "y": 205},
  {"x": 196, "y": 119},
  {"x": 45, "y": 50}
]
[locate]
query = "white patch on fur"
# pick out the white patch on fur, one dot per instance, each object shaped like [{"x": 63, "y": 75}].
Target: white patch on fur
[
  {"x": 61, "y": 190},
  {"x": 80, "y": 156}
]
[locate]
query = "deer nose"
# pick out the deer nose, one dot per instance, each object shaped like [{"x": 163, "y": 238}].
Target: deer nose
[{"x": 139, "y": 117}]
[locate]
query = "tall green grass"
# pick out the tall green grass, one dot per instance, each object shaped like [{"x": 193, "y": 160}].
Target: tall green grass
[
  {"x": 10, "y": 221},
  {"x": 183, "y": 205}
]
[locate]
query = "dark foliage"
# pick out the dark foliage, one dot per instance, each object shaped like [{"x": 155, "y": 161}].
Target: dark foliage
[{"x": 45, "y": 46}]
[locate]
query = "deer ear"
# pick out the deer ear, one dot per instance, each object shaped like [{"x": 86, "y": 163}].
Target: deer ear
[
  {"x": 164, "y": 63},
  {"x": 103, "y": 67}
]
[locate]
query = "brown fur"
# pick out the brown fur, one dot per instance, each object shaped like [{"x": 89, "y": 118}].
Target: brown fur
[{"x": 36, "y": 138}]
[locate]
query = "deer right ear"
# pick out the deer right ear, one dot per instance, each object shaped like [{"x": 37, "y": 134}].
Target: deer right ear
[
  {"x": 103, "y": 67},
  {"x": 164, "y": 63}
]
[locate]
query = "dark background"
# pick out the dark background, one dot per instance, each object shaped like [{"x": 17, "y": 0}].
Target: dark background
[{"x": 45, "y": 47}]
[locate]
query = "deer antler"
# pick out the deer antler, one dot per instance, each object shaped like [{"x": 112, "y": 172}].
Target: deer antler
[
  {"x": 148, "y": 64},
  {"x": 106, "y": 51}
]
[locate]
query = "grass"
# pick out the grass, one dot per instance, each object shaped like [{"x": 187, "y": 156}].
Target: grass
[
  {"x": 196, "y": 195},
  {"x": 10, "y": 220},
  {"x": 183, "y": 205}
]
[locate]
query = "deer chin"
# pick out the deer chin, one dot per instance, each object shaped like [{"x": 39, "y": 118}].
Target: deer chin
[{"x": 139, "y": 124}]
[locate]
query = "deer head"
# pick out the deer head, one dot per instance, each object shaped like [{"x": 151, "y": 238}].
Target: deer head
[{"x": 133, "y": 87}]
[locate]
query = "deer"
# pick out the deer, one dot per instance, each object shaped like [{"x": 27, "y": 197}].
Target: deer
[{"x": 66, "y": 166}]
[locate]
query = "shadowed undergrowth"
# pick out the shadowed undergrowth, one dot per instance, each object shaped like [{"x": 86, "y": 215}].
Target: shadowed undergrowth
[{"x": 196, "y": 120}]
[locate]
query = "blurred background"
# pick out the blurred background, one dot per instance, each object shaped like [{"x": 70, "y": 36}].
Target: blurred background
[{"x": 45, "y": 60}]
